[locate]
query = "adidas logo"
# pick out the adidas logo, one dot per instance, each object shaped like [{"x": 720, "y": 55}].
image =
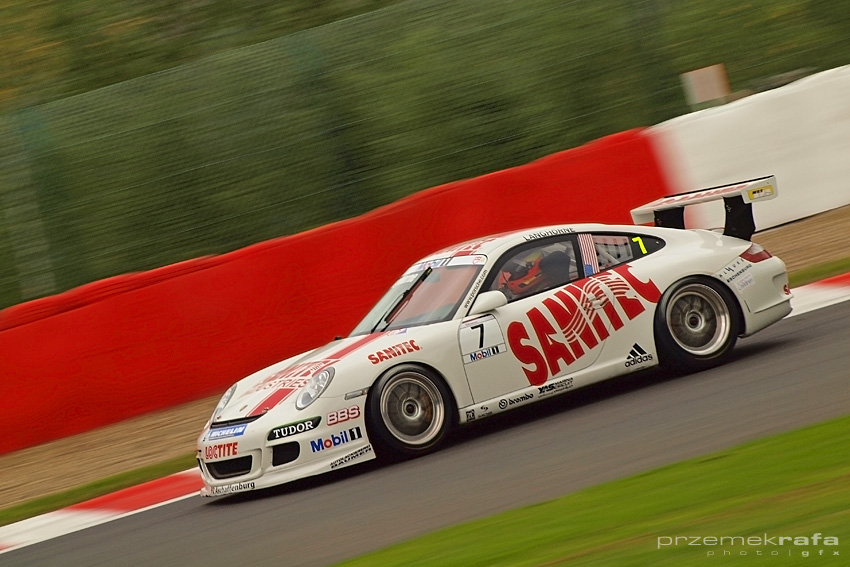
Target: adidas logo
[{"x": 637, "y": 356}]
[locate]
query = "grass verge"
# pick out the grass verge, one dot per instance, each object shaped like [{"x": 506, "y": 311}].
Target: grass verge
[
  {"x": 94, "y": 489},
  {"x": 818, "y": 272},
  {"x": 795, "y": 485}
]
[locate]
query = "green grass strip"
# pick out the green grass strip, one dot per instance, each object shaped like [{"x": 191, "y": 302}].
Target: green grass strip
[
  {"x": 85, "y": 492},
  {"x": 795, "y": 484},
  {"x": 818, "y": 272}
]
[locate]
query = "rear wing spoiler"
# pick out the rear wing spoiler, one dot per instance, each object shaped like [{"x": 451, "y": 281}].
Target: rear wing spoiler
[{"x": 737, "y": 198}]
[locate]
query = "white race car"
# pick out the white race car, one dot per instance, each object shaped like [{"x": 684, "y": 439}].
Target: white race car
[{"x": 493, "y": 324}]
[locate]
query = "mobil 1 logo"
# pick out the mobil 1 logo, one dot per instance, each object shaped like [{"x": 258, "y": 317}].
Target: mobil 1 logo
[{"x": 336, "y": 439}]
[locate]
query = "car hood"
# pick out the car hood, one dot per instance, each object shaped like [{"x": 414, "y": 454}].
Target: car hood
[{"x": 258, "y": 393}]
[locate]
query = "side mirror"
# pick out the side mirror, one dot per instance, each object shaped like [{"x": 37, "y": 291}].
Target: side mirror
[{"x": 488, "y": 301}]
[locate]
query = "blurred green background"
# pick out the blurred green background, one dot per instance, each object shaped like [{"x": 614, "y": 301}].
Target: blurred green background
[{"x": 138, "y": 134}]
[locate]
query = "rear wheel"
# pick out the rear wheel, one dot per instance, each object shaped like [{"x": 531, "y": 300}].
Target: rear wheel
[
  {"x": 697, "y": 324},
  {"x": 411, "y": 410}
]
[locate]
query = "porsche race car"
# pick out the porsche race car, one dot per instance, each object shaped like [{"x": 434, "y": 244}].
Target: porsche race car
[{"x": 497, "y": 323}]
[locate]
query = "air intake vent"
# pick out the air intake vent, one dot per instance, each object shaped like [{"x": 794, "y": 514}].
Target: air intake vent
[
  {"x": 239, "y": 421},
  {"x": 286, "y": 453},
  {"x": 230, "y": 467}
]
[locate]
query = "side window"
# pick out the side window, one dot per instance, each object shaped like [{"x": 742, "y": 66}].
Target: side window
[
  {"x": 536, "y": 267},
  {"x": 603, "y": 251}
]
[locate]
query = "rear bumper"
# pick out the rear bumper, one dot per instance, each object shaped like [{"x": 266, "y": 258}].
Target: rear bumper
[{"x": 763, "y": 292}]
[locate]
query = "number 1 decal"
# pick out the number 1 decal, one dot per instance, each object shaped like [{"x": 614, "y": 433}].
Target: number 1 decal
[{"x": 639, "y": 240}]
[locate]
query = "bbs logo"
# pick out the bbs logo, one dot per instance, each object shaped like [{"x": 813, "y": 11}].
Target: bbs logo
[{"x": 343, "y": 415}]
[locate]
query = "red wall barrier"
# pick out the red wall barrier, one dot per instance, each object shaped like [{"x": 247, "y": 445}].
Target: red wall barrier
[{"x": 141, "y": 342}]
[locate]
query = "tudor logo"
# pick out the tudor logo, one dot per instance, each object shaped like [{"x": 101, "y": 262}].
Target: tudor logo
[{"x": 293, "y": 428}]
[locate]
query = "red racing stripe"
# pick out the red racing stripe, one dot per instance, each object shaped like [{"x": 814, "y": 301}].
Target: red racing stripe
[{"x": 281, "y": 394}]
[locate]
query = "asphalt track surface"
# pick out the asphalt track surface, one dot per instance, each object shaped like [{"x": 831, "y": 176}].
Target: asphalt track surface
[{"x": 790, "y": 375}]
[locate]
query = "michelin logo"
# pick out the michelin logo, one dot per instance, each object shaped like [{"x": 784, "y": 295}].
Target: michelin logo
[{"x": 221, "y": 433}]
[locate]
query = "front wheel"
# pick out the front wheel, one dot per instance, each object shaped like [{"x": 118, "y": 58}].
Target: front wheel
[
  {"x": 696, "y": 324},
  {"x": 410, "y": 410}
]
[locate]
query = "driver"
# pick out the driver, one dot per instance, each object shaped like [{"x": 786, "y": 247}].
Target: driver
[{"x": 534, "y": 273}]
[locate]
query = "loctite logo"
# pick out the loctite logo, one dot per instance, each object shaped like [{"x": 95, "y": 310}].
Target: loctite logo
[
  {"x": 393, "y": 351},
  {"x": 221, "y": 451},
  {"x": 335, "y": 440},
  {"x": 580, "y": 324}
]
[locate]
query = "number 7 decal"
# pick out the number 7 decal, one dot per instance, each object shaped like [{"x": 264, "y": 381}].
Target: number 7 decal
[{"x": 480, "y": 338}]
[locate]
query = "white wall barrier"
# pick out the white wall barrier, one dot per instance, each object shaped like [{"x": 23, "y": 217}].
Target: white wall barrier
[{"x": 800, "y": 133}]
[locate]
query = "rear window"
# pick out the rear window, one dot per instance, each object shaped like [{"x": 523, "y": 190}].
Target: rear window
[{"x": 603, "y": 251}]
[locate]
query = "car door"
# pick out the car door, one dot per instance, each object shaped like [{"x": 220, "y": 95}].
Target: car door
[{"x": 550, "y": 328}]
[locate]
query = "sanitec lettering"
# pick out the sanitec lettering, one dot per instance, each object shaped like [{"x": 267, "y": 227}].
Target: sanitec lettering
[
  {"x": 343, "y": 415},
  {"x": 394, "y": 351},
  {"x": 293, "y": 428},
  {"x": 485, "y": 353},
  {"x": 221, "y": 451},
  {"x": 231, "y": 488},
  {"x": 351, "y": 456},
  {"x": 336, "y": 440},
  {"x": 541, "y": 347},
  {"x": 223, "y": 432}
]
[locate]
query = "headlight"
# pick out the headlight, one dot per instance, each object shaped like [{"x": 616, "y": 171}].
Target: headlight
[
  {"x": 225, "y": 399},
  {"x": 314, "y": 388}
]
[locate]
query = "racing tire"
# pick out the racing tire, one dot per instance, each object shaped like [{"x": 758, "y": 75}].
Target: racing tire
[
  {"x": 410, "y": 411},
  {"x": 696, "y": 325}
]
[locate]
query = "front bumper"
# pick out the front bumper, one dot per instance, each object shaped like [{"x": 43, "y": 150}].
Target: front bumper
[{"x": 274, "y": 450}]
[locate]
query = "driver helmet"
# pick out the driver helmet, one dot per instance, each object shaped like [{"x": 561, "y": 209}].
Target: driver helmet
[{"x": 525, "y": 276}]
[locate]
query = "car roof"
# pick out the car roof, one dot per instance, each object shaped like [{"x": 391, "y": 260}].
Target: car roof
[{"x": 496, "y": 244}]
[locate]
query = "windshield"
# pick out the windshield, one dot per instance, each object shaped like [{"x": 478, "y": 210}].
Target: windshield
[{"x": 435, "y": 299}]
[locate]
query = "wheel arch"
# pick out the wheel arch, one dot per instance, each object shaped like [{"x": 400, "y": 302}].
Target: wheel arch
[
  {"x": 451, "y": 404},
  {"x": 735, "y": 307}
]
